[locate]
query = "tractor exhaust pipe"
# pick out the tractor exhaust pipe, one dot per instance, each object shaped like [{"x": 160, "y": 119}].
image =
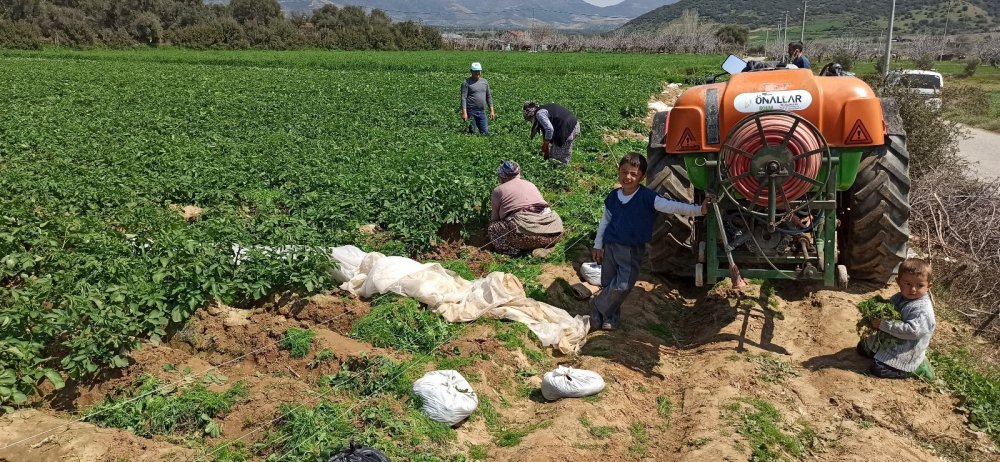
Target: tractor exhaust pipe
[{"x": 734, "y": 271}]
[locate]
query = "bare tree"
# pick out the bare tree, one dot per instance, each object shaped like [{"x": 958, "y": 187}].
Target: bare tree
[{"x": 923, "y": 50}]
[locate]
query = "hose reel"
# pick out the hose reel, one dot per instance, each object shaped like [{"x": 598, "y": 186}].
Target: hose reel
[{"x": 777, "y": 161}]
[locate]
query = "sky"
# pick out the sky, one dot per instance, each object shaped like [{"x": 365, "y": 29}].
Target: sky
[{"x": 603, "y": 2}]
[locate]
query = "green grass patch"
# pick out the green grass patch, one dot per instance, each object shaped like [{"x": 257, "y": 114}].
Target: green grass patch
[
  {"x": 759, "y": 422},
  {"x": 478, "y": 452},
  {"x": 640, "y": 440},
  {"x": 511, "y": 436},
  {"x": 401, "y": 323},
  {"x": 504, "y": 434},
  {"x": 602, "y": 432},
  {"x": 153, "y": 408},
  {"x": 459, "y": 267},
  {"x": 978, "y": 390},
  {"x": 297, "y": 341},
  {"x": 236, "y": 452},
  {"x": 664, "y": 407},
  {"x": 517, "y": 336}
]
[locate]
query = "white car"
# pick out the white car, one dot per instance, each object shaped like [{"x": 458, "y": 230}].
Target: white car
[{"x": 925, "y": 83}]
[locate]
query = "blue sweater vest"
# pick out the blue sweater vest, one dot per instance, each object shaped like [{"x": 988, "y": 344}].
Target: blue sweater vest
[{"x": 632, "y": 223}]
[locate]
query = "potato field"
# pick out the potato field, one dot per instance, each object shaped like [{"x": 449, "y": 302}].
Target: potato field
[{"x": 100, "y": 151}]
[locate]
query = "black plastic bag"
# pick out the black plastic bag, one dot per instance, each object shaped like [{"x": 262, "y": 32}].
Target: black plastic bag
[{"x": 357, "y": 453}]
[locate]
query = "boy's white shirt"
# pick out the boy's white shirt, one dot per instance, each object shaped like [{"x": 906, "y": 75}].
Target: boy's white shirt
[{"x": 661, "y": 204}]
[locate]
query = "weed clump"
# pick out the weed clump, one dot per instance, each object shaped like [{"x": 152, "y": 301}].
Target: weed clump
[
  {"x": 876, "y": 307},
  {"x": 978, "y": 390},
  {"x": 297, "y": 342},
  {"x": 367, "y": 376},
  {"x": 166, "y": 409},
  {"x": 758, "y": 421},
  {"x": 402, "y": 324}
]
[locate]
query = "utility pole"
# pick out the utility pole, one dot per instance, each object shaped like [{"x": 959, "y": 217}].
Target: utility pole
[
  {"x": 888, "y": 41},
  {"x": 802, "y": 36},
  {"x": 944, "y": 43},
  {"x": 786, "y": 28}
]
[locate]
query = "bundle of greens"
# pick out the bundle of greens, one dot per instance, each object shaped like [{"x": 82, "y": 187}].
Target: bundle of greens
[{"x": 876, "y": 307}]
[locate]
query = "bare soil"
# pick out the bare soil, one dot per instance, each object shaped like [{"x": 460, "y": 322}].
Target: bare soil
[{"x": 698, "y": 348}]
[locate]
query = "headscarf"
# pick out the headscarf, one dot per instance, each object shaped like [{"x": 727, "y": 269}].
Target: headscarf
[
  {"x": 508, "y": 170},
  {"x": 529, "y": 109}
]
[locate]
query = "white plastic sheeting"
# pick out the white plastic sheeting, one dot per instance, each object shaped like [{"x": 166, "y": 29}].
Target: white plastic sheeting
[
  {"x": 566, "y": 382},
  {"x": 447, "y": 396},
  {"x": 498, "y": 295}
]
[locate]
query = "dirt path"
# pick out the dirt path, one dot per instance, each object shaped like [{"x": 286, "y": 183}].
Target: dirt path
[{"x": 983, "y": 148}]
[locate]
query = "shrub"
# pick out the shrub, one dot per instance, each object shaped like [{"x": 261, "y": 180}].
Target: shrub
[
  {"x": 931, "y": 140},
  {"x": 971, "y": 65},
  {"x": 20, "y": 35}
]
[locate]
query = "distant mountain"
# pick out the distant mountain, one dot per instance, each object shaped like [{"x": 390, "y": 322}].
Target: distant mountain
[
  {"x": 500, "y": 14},
  {"x": 834, "y": 17}
]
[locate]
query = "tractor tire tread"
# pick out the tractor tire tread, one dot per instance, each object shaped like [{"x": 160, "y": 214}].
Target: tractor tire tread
[
  {"x": 878, "y": 213},
  {"x": 671, "y": 252}
]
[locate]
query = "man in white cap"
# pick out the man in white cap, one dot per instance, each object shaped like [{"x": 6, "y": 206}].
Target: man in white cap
[{"x": 476, "y": 97}]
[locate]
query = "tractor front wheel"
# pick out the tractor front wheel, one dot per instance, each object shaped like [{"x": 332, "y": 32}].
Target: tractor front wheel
[
  {"x": 876, "y": 221},
  {"x": 670, "y": 252}
]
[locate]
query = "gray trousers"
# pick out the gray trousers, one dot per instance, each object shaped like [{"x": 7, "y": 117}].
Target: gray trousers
[
  {"x": 619, "y": 273},
  {"x": 564, "y": 153}
]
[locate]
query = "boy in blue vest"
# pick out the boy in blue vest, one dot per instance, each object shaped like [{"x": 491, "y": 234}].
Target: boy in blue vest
[{"x": 625, "y": 228}]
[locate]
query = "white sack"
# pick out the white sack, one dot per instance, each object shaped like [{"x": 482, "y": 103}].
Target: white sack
[
  {"x": 498, "y": 295},
  {"x": 566, "y": 382},
  {"x": 591, "y": 272},
  {"x": 447, "y": 396}
]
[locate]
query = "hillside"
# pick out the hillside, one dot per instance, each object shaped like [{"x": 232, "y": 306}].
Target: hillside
[
  {"x": 834, "y": 17},
  {"x": 562, "y": 14}
]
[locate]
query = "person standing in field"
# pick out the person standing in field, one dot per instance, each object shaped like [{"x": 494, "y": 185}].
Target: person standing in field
[
  {"x": 559, "y": 128},
  {"x": 476, "y": 98},
  {"x": 796, "y": 56},
  {"x": 520, "y": 219},
  {"x": 625, "y": 228}
]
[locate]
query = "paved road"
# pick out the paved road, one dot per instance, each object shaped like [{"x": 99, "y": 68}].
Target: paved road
[{"x": 983, "y": 147}]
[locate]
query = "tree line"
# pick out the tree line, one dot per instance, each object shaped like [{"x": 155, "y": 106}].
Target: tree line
[{"x": 240, "y": 24}]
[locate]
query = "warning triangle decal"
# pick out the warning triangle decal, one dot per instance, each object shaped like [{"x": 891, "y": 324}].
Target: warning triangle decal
[
  {"x": 688, "y": 142},
  {"x": 858, "y": 134}
]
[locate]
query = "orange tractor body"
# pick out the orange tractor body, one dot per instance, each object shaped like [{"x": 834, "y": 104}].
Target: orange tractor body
[{"x": 811, "y": 172}]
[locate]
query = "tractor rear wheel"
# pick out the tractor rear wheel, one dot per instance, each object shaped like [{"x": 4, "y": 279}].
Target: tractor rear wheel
[
  {"x": 671, "y": 251},
  {"x": 876, "y": 221}
]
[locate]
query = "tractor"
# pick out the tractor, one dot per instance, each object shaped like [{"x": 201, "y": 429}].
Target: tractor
[{"x": 811, "y": 176}]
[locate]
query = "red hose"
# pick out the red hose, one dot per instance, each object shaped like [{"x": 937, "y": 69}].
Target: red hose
[{"x": 775, "y": 127}]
